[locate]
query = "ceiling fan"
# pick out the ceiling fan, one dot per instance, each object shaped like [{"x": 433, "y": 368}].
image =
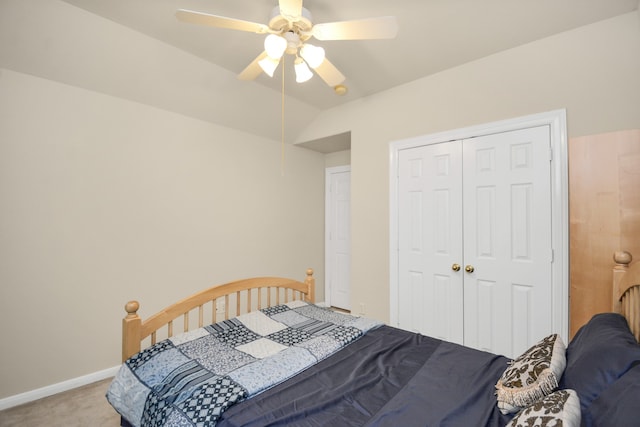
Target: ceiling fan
[{"x": 288, "y": 31}]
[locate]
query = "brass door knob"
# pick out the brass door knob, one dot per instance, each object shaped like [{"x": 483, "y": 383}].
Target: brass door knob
[
  {"x": 455, "y": 267},
  {"x": 469, "y": 269}
]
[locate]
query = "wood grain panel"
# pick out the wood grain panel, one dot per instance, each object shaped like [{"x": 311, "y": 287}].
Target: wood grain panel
[{"x": 604, "y": 205}]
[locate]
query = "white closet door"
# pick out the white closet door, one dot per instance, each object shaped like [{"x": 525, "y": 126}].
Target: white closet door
[
  {"x": 430, "y": 240},
  {"x": 507, "y": 235}
]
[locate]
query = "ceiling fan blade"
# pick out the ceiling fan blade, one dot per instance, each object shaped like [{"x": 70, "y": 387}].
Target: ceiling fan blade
[
  {"x": 384, "y": 27},
  {"x": 201, "y": 18},
  {"x": 291, "y": 9},
  {"x": 252, "y": 70},
  {"x": 329, "y": 73}
]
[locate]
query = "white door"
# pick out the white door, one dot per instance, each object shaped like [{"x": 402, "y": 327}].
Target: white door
[
  {"x": 507, "y": 240},
  {"x": 430, "y": 240},
  {"x": 483, "y": 204},
  {"x": 338, "y": 236}
]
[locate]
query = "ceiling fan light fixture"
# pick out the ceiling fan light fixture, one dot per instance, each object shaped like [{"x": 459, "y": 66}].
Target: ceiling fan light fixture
[
  {"x": 303, "y": 73},
  {"x": 313, "y": 55},
  {"x": 269, "y": 65},
  {"x": 275, "y": 46}
]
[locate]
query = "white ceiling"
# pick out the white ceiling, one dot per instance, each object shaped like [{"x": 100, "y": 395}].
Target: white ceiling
[
  {"x": 433, "y": 34},
  {"x": 60, "y": 40}
]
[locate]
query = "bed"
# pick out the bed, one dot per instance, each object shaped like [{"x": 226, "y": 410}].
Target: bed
[{"x": 259, "y": 352}]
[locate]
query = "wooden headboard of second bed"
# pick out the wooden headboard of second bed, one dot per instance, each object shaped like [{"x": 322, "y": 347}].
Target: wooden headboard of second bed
[{"x": 626, "y": 290}]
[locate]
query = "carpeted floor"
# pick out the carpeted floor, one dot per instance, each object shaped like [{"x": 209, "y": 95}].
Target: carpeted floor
[{"x": 84, "y": 406}]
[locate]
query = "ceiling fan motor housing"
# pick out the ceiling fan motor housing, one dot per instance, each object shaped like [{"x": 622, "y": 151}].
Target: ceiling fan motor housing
[{"x": 301, "y": 25}]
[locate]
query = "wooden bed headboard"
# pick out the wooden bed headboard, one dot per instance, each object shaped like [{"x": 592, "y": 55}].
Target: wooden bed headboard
[
  {"x": 626, "y": 290},
  {"x": 246, "y": 295}
]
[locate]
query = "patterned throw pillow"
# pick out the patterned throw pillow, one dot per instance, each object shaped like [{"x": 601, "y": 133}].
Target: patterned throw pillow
[
  {"x": 531, "y": 376},
  {"x": 559, "y": 409}
]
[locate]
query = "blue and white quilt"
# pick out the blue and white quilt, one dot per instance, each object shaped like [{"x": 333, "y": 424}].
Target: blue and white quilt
[{"x": 190, "y": 379}]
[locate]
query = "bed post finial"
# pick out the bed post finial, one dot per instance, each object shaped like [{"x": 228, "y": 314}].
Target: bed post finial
[
  {"x": 311, "y": 286},
  {"x": 132, "y": 309},
  {"x": 622, "y": 260},
  {"x": 131, "y": 325}
]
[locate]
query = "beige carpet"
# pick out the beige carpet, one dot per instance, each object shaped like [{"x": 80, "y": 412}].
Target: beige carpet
[{"x": 84, "y": 406}]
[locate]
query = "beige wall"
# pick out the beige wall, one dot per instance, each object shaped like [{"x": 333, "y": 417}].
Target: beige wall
[
  {"x": 339, "y": 158},
  {"x": 592, "y": 72},
  {"x": 106, "y": 200}
]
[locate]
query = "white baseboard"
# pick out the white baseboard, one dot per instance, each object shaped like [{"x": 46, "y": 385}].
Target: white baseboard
[{"x": 30, "y": 396}]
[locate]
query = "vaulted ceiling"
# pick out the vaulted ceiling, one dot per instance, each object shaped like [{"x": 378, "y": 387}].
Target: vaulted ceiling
[{"x": 434, "y": 35}]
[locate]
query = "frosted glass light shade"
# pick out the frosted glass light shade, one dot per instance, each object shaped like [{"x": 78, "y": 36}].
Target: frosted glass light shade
[
  {"x": 275, "y": 46},
  {"x": 313, "y": 55},
  {"x": 269, "y": 65},
  {"x": 303, "y": 73}
]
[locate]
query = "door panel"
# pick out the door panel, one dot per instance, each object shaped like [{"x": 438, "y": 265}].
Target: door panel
[
  {"x": 430, "y": 241},
  {"x": 507, "y": 200}
]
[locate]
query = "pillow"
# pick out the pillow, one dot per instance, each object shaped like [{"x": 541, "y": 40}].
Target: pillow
[
  {"x": 618, "y": 404},
  {"x": 600, "y": 353},
  {"x": 560, "y": 408},
  {"x": 531, "y": 376}
]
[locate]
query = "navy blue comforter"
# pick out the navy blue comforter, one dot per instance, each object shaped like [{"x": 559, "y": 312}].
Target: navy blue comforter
[{"x": 397, "y": 379}]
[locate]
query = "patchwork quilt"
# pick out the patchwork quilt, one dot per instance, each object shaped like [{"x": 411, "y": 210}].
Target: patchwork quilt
[{"x": 192, "y": 378}]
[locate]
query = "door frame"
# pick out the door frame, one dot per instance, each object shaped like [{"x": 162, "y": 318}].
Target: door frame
[
  {"x": 327, "y": 227},
  {"x": 557, "y": 122}
]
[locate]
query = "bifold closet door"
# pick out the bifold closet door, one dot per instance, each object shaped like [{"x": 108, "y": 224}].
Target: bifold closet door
[
  {"x": 474, "y": 259},
  {"x": 507, "y": 240},
  {"x": 430, "y": 292}
]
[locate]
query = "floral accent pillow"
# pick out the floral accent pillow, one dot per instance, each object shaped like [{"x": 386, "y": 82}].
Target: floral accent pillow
[
  {"x": 532, "y": 375},
  {"x": 558, "y": 409}
]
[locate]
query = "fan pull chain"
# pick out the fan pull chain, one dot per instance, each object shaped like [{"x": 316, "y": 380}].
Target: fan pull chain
[{"x": 282, "y": 123}]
